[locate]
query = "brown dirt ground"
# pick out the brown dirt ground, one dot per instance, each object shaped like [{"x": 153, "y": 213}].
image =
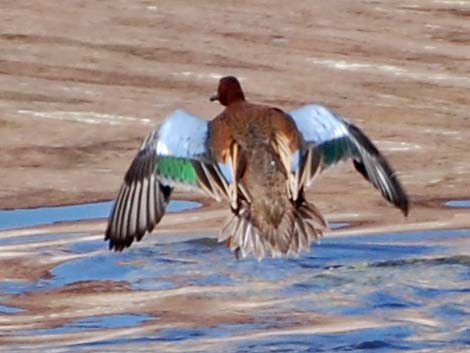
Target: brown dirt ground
[{"x": 82, "y": 84}]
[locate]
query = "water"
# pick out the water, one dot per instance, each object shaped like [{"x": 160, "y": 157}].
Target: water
[
  {"x": 458, "y": 203},
  {"x": 45, "y": 215},
  {"x": 404, "y": 291}
]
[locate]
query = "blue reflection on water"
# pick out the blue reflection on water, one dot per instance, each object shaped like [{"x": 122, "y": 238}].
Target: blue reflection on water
[
  {"x": 458, "y": 203},
  {"x": 388, "y": 339},
  {"x": 6, "y": 309},
  {"x": 45, "y": 215},
  {"x": 374, "y": 270},
  {"x": 92, "y": 323},
  {"x": 146, "y": 267}
]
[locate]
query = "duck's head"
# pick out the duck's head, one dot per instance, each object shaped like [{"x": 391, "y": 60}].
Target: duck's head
[{"x": 229, "y": 91}]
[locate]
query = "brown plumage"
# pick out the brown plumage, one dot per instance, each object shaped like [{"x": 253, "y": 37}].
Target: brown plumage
[{"x": 264, "y": 137}]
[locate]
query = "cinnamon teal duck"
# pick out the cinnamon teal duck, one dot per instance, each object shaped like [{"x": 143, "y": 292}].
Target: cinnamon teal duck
[{"x": 259, "y": 159}]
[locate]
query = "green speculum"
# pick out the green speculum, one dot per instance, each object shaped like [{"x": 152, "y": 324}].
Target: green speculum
[
  {"x": 334, "y": 150},
  {"x": 177, "y": 169}
]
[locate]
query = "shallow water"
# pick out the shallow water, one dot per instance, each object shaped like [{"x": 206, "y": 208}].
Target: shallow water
[
  {"x": 45, "y": 215},
  {"x": 458, "y": 203},
  {"x": 406, "y": 291}
]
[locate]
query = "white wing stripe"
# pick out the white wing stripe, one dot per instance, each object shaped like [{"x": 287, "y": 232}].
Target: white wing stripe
[
  {"x": 318, "y": 124},
  {"x": 182, "y": 135}
]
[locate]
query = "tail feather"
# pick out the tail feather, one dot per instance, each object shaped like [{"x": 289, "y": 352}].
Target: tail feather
[
  {"x": 302, "y": 235},
  {"x": 314, "y": 221},
  {"x": 300, "y": 225}
]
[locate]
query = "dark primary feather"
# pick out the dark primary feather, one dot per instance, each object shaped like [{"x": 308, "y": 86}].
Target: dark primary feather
[
  {"x": 140, "y": 204},
  {"x": 374, "y": 167}
]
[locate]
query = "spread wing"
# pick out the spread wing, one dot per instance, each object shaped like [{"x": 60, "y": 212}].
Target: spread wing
[
  {"x": 331, "y": 139},
  {"x": 175, "y": 154}
]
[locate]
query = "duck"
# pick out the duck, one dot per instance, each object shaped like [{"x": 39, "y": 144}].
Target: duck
[{"x": 256, "y": 158}]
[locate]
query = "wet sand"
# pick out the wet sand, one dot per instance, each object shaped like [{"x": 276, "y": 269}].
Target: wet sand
[{"x": 82, "y": 84}]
